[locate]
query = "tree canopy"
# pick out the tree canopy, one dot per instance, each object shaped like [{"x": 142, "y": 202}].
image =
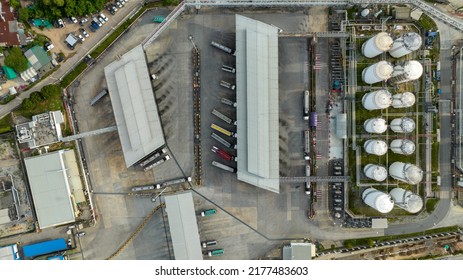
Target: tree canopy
[
  {"x": 53, "y": 9},
  {"x": 16, "y": 60}
]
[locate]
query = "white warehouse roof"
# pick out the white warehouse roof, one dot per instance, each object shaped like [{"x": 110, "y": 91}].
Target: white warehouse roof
[
  {"x": 257, "y": 103},
  {"x": 134, "y": 106},
  {"x": 183, "y": 227},
  {"x": 48, "y": 180}
]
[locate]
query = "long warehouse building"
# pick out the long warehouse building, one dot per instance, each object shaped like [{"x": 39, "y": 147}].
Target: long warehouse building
[
  {"x": 134, "y": 106},
  {"x": 257, "y": 103}
]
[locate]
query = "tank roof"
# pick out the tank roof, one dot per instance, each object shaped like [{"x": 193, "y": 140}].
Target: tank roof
[
  {"x": 378, "y": 147},
  {"x": 413, "y": 69},
  {"x": 379, "y": 173},
  {"x": 405, "y": 99},
  {"x": 365, "y": 12},
  {"x": 412, "y": 41},
  {"x": 414, "y": 203},
  {"x": 408, "y": 124},
  {"x": 383, "y": 97},
  {"x": 383, "y": 69},
  {"x": 377, "y": 124},
  {"x": 383, "y": 41},
  {"x": 414, "y": 174}
]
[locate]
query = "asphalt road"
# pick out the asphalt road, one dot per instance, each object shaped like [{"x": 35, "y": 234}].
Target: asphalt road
[{"x": 72, "y": 62}]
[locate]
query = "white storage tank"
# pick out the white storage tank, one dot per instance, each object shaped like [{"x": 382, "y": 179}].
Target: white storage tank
[
  {"x": 406, "y": 200},
  {"x": 376, "y": 45},
  {"x": 403, "y": 125},
  {"x": 375, "y": 172},
  {"x": 402, "y": 146},
  {"x": 408, "y": 71},
  {"x": 405, "y": 44},
  {"x": 406, "y": 172},
  {"x": 365, "y": 12},
  {"x": 380, "y": 99},
  {"x": 375, "y": 125},
  {"x": 377, "y": 72},
  {"x": 403, "y": 100},
  {"x": 381, "y": 202},
  {"x": 375, "y": 147}
]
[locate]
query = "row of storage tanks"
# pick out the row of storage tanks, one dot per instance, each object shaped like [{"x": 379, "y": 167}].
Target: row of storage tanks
[
  {"x": 382, "y": 99},
  {"x": 383, "y": 70}
]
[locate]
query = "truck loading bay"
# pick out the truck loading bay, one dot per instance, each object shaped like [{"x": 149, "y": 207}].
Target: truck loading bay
[{"x": 250, "y": 221}]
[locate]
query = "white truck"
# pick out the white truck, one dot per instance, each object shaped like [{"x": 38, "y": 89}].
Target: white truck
[
  {"x": 173, "y": 182},
  {"x": 222, "y": 141},
  {"x": 164, "y": 159},
  {"x": 223, "y": 166},
  {"x": 228, "y": 69},
  {"x": 223, "y": 117},
  {"x": 153, "y": 157},
  {"x": 227, "y": 85},
  {"x": 228, "y": 102},
  {"x": 223, "y": 48}
]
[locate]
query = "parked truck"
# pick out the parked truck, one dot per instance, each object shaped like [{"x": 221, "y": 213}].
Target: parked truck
[
  {"x": 228, "y": 102},
  {"x": 222, "y": 153},
  {"x": 153, "y": 157},
  {"x": 164, "y": 159},
  {"x": 222, "y": 141},
  {"x": 98, "y": 97},
  {"x": 308, "y": 186},
  {"x": 223, "y": 117},
  {"x": 208, "y": 243},
  {"x": 306, "y": 105},
  {"x": 173, "y": 182},
  {"x": 227, "y": 85},
  {"x": 223, "y": 166},
  {"x": 216, "y": 252},
  {"x": 223, "y": 48},
  {"x": 142, "y": 188},
  {"x": 228, "y": 69},
  {"x": 223, "y": 130},
  {"x": 208, "y": 212}
]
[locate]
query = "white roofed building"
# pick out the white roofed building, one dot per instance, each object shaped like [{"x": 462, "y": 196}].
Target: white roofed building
[
  {"x": 134, "y": 106},
  {"x": 257, "y": 103}
]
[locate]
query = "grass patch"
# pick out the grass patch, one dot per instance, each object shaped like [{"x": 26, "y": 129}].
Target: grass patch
[
  {"x": 6, "y": 124},
  {"x": 427, "y": 22},
  {"x": 67, "y": 80},
  {"x": 8, "y": 99},
  {"x": 431, "y": 204},
  {"x": 368, "y": 241}
]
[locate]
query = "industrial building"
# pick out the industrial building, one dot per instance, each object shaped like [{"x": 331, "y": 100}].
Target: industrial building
[
  {"x": 378, "y": 72},
  {"x": 257, "y": 103},
  {"x": 299, "y": 251},
  {"x": 52, "y": 180},
  {"x": 375, "y": 125},
  {"x": 380, "y": 99},
  {"x": 406, "y": 200},
  {"x": 134, "y": 106},
  {"x": 44, "y": 129},
  {"x": 183, "y": 226},
  {"x": 406, "y": 172},
  {"x": 377, "y": 45},
  {"x": 375, "y": 172},
  {"x": 402, "y": 125},
  {"x": 47, "y": 247},
  {"x": 381, "y": 202},
  {"x": 402, "y": 146},
  {"x": 405, "y": 72},
  {"x": 375, "y": 147},
  {"x": 8, "y": 253},
  {"x": 405, "y": 44}
]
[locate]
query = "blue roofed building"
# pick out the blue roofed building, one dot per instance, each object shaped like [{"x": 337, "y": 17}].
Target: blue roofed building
[{"x": 43, "y": 248}]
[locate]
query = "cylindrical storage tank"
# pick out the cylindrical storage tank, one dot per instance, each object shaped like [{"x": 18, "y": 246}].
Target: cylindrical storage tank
[
  {"x": 406, "y": 200},
  {"x": 377, "y": 72},
  {"x": 405, "y": 44},
  {"x": 365, "y": 12},
  {"x": 376, "y": 45},
  {"x": 403, "y": 146},
  {"x": 376, "y": 125},
  {"x": 409, "y": 71},
  {"x": 380, "y": 99},
  {"x": 406, "y": 172},
  {"x": 375, "y": 172},
  {"x": 403, "y": 125},
  {"x": 381, "y": 202},
  {"x": 403, "y": 100},
  {"x": 375, "y": 147}
]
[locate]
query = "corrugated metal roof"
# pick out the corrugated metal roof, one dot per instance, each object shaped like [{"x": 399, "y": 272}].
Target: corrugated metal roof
[
  {"x": 134, "y": 106},
  {"x": 299, "y": 251},
  {"x": 257, "y": 103},
  {"x": 183, "y": 226},
  {"x": 341, "y": 126},
  {"x": 8, "y": 253},
  {"x": 46, "y": 247},
  {"x": 50, "y": 189}
]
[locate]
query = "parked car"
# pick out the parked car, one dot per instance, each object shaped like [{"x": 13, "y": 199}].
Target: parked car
[
  {"x": 118, "y": 4},
  {"x": 80, "y": 234},
  {"x": 83, "y": 20},
  {"x": 73, "y": 19},
  {"x": 97, "y": 21},
  {"x": 104, "y": 17},
  {"x": 84, "y": 32},
  {"x": 102, "y": 20},
  {"x": 48, "y": 46},
  {"x": 81, "y": 38},
  {"x": 61, "y": 23}
]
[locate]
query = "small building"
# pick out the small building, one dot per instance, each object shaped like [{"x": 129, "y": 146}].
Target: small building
[
  {"x": 51, "y": 180},
  {"x": 9, "y": 252},
  {"x": 299, "y": 251},
  {"x": 44, "y": 129},
  {"x": 38, "y": 249},
  {"x": 9, "y": 72},
  {"x": 8, "y": 26},
  {"x": 37, "y": 58},
  {"x": 71, "y": 40},
  {"x": 29, "y": 75},
  {"x": 401, "y": 12}
]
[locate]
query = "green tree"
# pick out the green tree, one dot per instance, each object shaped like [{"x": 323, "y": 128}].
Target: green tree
[
  {"x": 15, "y": 3},
  {"x": 28, "y": 104},
  {"x": 16, "y": 60},
  {"x": 50, "y": 90},
  {"x": 24, "y": 14},
  {"x": 36, "y": 97}
]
